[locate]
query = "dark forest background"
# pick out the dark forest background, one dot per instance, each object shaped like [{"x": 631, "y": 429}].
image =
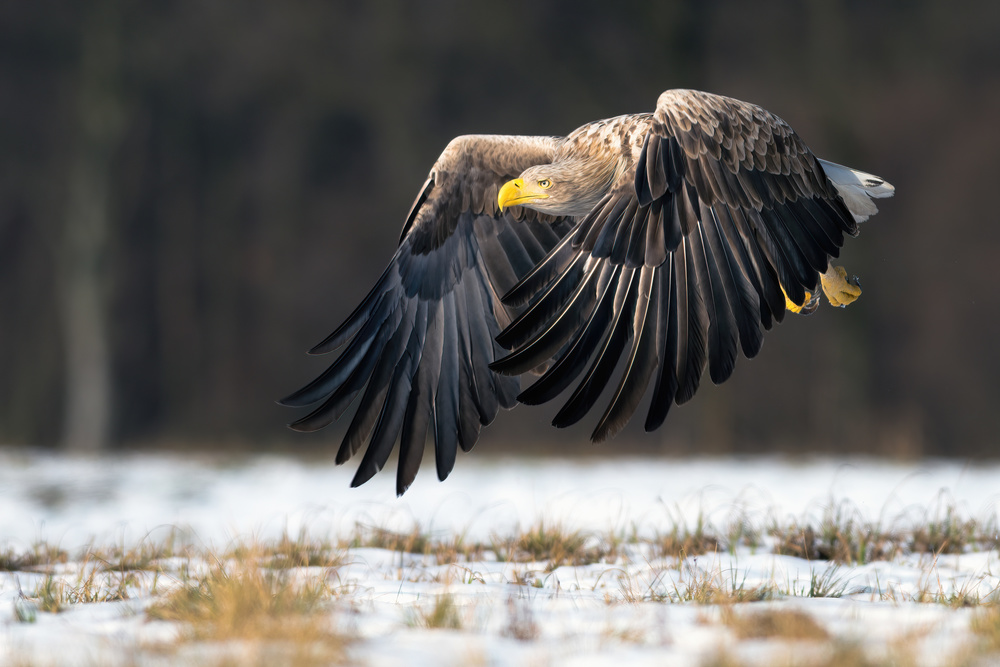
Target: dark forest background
[{"x": 194, "y": 193}]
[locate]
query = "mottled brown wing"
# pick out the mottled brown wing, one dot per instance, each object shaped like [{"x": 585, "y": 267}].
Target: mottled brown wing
[
  {"x": 681, "y": 264},
  {"x": 421, "y": 342}
]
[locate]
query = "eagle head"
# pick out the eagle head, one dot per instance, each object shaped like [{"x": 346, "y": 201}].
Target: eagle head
[{"x": 565, "y": 188}]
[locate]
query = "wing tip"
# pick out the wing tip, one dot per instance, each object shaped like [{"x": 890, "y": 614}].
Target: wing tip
[
  {"x": 506, "y": 367},
  {"x": 363, "y": 474},
  {"x": 300, "y": 427},
  {"x": 606, "y": 431}
]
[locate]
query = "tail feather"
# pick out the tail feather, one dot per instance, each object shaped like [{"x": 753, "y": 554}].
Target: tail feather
[{"x": 858, "y": 189}]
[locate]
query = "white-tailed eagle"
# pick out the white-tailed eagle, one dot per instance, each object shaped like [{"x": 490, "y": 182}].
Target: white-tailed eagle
[{"x": 634, "y": 251}]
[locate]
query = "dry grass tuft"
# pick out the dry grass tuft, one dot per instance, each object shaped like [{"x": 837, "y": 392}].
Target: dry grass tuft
[
  {"x": 55, "y": 593},
  {"x": 829, "y": 584},
  {"x": 951, "y": 534},
  {"x": 742, "y": 531},
  {"x": 443, "y": 614},
  {"x": 41, "y": 555},
  {"x": 695, "y": 585},
  {"x": 774, "y": 623},
  {"x": 552, "y": 543},
  {"x": 453, "y": 549},
  {"x": 239, "y": 599},
  {"x": 287, "y": 553},
  {"x": 144, "y": 555},
  {"x": 838, "y": 654},
  {"x": 839, "y": 538},
  {"x": 681, "y": 541},
  {"x": 986, "y": 624},
  {"x": 50, "y": 596},
  {"x": 94, "y": 586},
  {"x": 521, "y": 623},
  {"x": 542, "y": 542},
  {"x": 415, "y": 542},
  {"x": 717, "y": 590},
  {"x": 842, "y": 537}
]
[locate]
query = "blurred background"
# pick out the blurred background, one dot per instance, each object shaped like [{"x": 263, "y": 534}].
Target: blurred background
[{"x": 194, "y": 193}]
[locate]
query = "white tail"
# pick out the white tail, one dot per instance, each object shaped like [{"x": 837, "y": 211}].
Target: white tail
[{"x": 858, "y": 189}]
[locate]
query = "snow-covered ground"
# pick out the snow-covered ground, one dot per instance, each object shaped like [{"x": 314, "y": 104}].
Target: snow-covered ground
[{"x": 624, "y": 610}]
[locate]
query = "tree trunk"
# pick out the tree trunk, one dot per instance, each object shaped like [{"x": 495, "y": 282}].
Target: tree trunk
[{"x": 84, "y": 264}]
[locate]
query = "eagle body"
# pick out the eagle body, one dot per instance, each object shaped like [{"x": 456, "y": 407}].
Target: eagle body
[{"x": 632, "y": 254}]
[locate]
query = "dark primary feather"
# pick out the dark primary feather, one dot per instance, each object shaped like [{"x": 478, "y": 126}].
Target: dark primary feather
[
  {"x": 543, "y": 273},
  {"x": 641, "y": 361},
  {"x": 540, "y": 334},
  {"x": 608, "y": 353},
  {"x": 572, "y": 362},
  {"x": 665, "y": 384}
]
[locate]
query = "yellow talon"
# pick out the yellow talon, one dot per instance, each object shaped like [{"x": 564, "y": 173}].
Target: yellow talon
[
  {"x": 838, "y": 289},
  {"x": 806, "y": 307}
]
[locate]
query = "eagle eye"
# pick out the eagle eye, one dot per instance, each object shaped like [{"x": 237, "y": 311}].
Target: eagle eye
[{"x": 545, "y": 184}]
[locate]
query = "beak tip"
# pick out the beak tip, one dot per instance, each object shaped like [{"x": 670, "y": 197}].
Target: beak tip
[{"x": 508, "y": 192}]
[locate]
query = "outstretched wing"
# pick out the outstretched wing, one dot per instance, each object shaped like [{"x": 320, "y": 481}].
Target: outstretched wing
[
  {"x": 421, "y": 342},
  {"x": 682, "y": 262}
]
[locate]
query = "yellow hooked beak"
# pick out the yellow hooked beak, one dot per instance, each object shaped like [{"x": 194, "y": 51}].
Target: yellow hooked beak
[{"x": 515, "y": 192}]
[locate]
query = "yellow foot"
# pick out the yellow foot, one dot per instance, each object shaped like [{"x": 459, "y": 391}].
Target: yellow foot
[
  {"x": 838, "y": 289},
  {"x": 810, "y": 304}
]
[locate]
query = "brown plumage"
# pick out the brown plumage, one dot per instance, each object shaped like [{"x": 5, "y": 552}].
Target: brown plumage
[{"x": 663, "y": 238}]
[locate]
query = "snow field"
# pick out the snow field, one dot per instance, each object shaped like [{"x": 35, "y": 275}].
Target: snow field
[{"x": 517, "y": 561}]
